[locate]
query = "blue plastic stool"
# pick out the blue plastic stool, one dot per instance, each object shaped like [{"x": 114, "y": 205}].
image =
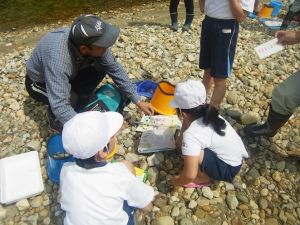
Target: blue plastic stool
[{"x": 57, "y": 156}]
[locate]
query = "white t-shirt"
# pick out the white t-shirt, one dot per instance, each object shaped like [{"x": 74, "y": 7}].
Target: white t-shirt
[
  {"x": 96, "y": 196},
  {"x": 228, "y": 148},
  {"x": 218, "y": 9}
]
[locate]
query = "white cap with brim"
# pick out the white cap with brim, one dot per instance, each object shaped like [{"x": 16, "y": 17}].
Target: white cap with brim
[
  {"x": 188, "y": 95},
  {"x": 89, "y": 132},
  {"x": 91, "y": 30}
]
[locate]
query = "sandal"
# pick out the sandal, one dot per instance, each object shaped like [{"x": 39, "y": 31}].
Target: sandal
[{"x": 197, "y": 185}]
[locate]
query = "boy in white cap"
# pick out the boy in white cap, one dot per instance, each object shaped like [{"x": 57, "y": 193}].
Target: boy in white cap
[
  {"x": 94, "y": 191},
  {"x": 211, "y": 148}
]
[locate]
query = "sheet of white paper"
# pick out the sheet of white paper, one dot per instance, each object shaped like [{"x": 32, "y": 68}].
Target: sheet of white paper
[
  {"x": 148, "y": 122},
  {"x": 157, "y": 139},
  {"x": 266, "y": 49},
  {"x": 248, "y": 5},
  {"x": 20, "y": 177}
]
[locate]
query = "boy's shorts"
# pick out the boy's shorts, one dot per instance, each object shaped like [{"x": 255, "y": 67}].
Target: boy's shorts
[
  {"x": 217, "y": 45},
  {"x": 216, "y": 168}
]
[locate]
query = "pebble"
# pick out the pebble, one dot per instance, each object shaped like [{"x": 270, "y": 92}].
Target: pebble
[
  {"x": 164, "y": 220},
  {"x": 206, "y": 192},
  {"x": 23, "y": 204}
]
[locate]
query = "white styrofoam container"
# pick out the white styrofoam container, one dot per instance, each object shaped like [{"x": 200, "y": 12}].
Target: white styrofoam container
[{"x": 20, "y": 177}]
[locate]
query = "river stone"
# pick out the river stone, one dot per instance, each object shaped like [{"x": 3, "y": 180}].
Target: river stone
[
  {"x": 152, "y": 174},
  {"x": 192, "y": 204},
  {"x": 263, "y": 203},
  {"x": 160, "y": 202},
  {"x": 276, "y": 176},
  {"x": 271, "y": 221},
  {"x": 253, "y": 172},
  {"x": 242, "y": 198},
  {"x": 132, "y": 157},
  {"x": 298, "y": 212},
  {"x": 2, "y": 213},
  {"x": 175, "y": 212},
  {"x": 264, "y": 192},
  {"x": 232, "y": 201},
  {"x": 22, "y": 204},
  {"x": 206, "y": 192},
  {"x": 249, "y": 118},
  {"x": 34, "y": 145},
  {"x": 37, "y": 202},
  {"x": 164, "y": 220},
  {"x": 185, "y": 221},
  {"x": 280, "y": 166},
  {"x": 200, "y": 213},
  {"x": 155, "y": 159}
]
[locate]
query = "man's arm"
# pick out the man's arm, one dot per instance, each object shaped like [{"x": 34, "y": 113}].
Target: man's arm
[
  {"x": 237, "y": 10},
  {"x": 287, "y": 37},
  {"x": 202, "y": 5},
  {"x": 121, "y": 79},
  {"x": 58, "y": 88}
]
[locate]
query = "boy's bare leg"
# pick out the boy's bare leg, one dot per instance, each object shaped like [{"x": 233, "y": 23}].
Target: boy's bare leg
[{"x": 219, "y": 91}]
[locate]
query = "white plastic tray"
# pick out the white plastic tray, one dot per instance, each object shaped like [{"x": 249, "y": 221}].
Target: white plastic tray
[{"x": 20, "y": 177}]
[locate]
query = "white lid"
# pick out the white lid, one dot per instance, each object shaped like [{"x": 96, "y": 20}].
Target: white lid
[{"x": 20, "y": 177}]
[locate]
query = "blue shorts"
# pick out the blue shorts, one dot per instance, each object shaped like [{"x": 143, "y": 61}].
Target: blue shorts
[
  {"x": 217, "y": 45},
  {"x": 216, "y": 168}
]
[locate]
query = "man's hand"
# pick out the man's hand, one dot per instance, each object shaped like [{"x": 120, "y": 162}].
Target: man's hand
[
  {"x": 146, "y": 107},
  {"x": 286, "y": 37}
]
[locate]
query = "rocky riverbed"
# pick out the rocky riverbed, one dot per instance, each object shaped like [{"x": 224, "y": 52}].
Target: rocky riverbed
[{"x": 266, "y": 191}]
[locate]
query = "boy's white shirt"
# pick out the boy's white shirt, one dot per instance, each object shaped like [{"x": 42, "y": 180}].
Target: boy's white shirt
[
  {"x": 96, "y": 196},
  {"x": 248, "y": 5},
  {"x": 218, "y": 9}
]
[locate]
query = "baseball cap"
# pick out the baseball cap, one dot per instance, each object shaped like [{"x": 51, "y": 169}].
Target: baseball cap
[
  {"x": 89, "y": 132},
  {"x": 189, "y": 94},
  {"x": 89, "y": 29}
]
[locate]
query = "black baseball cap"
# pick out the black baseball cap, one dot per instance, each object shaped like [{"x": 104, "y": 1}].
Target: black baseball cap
[{"x": 89, "y": 29}]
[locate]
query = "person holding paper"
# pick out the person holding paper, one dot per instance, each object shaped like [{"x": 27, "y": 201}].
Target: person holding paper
[
  {"x": 211, "y": 148},
  {"x": 285, "y": 97},
  {"x": 219, "y": 34},
  {"x": 93, "y": 190}
]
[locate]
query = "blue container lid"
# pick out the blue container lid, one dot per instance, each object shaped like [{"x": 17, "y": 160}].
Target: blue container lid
[{"x": 146, "y": 88}]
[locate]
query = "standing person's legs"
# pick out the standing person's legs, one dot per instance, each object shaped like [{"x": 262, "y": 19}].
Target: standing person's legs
[
  {"x": 219, "y": 91},
  {"x": 205, "y": 53},
  {"x": 173, "y": 14},
  {"x": 286, "y": 96},
  {"x": 189, "y": 10},
  {"x": 222, "y": 56}
]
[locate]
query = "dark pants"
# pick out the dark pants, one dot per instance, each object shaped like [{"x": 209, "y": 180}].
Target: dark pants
[
  {"x": 130, "y": 212},
  {"x": 82, "y": 87},
  {"x": 189, "y": 6}
]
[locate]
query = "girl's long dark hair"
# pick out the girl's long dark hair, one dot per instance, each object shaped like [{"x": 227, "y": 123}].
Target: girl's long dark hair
[{"x": 210, "y": 116}]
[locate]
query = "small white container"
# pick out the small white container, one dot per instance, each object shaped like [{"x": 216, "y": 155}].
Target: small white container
[{"x": 20, "y": 177}]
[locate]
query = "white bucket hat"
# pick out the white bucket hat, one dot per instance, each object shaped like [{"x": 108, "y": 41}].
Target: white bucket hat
[
  {"x": 188, "y": 95},
  {"x": 89, "y": 132}
]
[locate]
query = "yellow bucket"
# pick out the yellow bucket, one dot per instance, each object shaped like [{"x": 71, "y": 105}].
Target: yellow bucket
[
  {"x": 266, "y": 11},
  {"x": 163, "y": 95}
]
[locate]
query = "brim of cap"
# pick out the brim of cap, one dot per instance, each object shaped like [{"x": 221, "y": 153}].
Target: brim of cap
[
  {"x": 115, "y": 122},
  {"x": 109, "y": 37}
]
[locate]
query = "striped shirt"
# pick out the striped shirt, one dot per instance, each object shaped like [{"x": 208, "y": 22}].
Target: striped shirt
[{"x": 54, "y": 62}]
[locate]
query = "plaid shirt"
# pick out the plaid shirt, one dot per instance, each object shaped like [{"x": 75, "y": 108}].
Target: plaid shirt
[{"x": 54, "y": 62}]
